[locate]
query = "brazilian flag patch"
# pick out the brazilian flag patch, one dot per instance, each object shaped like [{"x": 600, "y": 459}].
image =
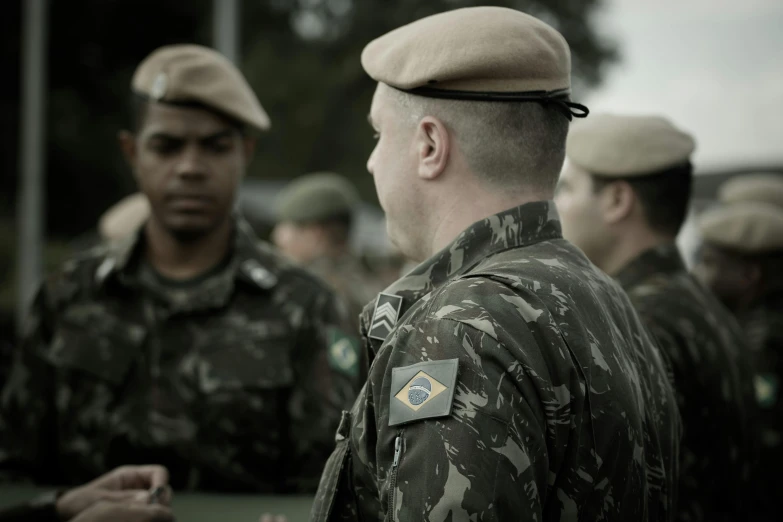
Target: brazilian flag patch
[
  {"x": 766, "y": 385},
  {"x": 343, "y": 352}
]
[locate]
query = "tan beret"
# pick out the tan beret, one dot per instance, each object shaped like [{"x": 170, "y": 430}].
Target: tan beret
[
  {"x": 614, "y": 146},
  {"x": 750, "y": 228},
  {"x": 181, "y": 74},
  {"x": 124, "y": 217},
  {"x": 316, "y": 197},
  {"x": 477, "y": 49},
  {"x": 764, "y": 188}
]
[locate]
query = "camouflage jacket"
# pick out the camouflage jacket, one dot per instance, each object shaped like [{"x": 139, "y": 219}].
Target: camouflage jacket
[
  {"x": 510, "y": 380},
  {"x": 713, "y": 382},
  {"x": 762, "y": 324},
  {"x": 231, "y": 383}
]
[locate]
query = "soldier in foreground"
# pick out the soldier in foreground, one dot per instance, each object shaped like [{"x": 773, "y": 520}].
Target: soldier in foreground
[
  {"x": 511, "y": 380},
  {"x": 189, "y": 344},
  {"x": 316, "y": 216},
  {"x": 623, "y": 196},
  {"x": 740, "y": 260}
]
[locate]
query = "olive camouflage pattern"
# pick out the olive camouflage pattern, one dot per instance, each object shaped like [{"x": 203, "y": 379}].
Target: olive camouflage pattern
[
  {"x": 543, "y": 396},
  {"x": 713, "y": 383},
  {"x": 228, "y": 382},
  {"x": 762, "y": 324}
]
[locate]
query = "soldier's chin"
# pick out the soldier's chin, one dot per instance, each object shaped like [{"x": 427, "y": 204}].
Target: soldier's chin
[{"x": 189, "y": 231}]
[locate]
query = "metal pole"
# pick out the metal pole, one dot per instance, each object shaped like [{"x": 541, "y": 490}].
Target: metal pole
[
  {"x": 225, "y": 28},
  {"x": 30, "y": 200}
]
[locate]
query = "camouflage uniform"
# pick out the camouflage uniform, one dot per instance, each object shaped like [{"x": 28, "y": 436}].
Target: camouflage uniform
[
  {"x": 561, "y": 407},
  {"x": 763, "y": 327},
  {"x": 713, "y": 382},
  {"x": 227, "y": 382}
]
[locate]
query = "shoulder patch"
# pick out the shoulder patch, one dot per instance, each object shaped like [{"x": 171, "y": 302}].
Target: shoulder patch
[
  {"x": 343, "y": 352},
  {"x": 387, "y": 311},
  {"x": 422, "y": 391}
]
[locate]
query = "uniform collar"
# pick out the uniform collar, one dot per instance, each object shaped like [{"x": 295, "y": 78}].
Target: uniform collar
[
  {"x": 663, "y": 259},
  {"x": 252, "y": 261},
  {"x": 513, "y": 228}
]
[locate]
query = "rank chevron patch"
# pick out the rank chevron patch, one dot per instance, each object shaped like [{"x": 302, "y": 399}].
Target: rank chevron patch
[{"x": 387, "y": 311}]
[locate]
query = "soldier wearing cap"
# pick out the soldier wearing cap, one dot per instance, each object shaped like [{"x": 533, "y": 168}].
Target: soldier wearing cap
[
  {"x": 315, "y": 219},
  {"x": 761, "y": 187},
  {"x": 190, "y": 343},
  {"x": 740, "y": 261},
  {"x": 623, "y": 196},
  {"x": 510, "y": 379}
]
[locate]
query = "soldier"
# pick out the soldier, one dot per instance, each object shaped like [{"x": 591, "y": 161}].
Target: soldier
[
  {"x": 510, "y": 379},
  {"x": 315, "y": 221},
  {"x": 190, "y": 344},
  {"x": 762, "y": 188},
  {"x": 740, "y": 261},
  {"x": 124, "y": 218},
  {"x": 624, "y": 195}
]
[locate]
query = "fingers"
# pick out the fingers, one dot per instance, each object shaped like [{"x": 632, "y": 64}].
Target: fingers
[
  {"x": 266, "y": 517},
  {"x": 131, "y": 496},
  {"x": 114, "y": 512},
  {"x": 135, "y": 477}
]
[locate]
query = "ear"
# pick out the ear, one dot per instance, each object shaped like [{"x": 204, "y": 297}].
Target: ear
[
  {"x": 127, "y": 142},
  {"x": 249, "y": 148},
  {"x": 433, "y": 146},
  {"x": 617, "y": 201}
]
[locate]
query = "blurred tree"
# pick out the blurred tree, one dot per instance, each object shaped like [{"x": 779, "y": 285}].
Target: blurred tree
[{"x": 302, "y": 57}]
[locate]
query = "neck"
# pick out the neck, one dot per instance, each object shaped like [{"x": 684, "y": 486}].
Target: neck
[
  {"x": 474, "y": 205},
  {"x": 185, "y": 260},
  {"x": 630, "y": 246}
]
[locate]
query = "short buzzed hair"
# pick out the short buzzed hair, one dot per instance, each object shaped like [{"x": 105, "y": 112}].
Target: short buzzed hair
[{"x": 508, "y": 144}]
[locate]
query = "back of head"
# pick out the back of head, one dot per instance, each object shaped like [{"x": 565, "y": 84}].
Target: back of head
[
  {"x": 124, "y": 217},
  {"x": 649, "y": 153},
  {"x": 498, "y": 79},
  {"x": 762, "y": 188}
]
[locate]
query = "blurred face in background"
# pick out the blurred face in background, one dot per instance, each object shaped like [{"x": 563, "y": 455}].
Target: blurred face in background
[
  {"x": 580, "y": 209},
  {"x": 189, "y": 163},
  {"x": 393, "y": 165},
  {"x": 300, "y": 241},
  {"x": 731, "y": 278}
]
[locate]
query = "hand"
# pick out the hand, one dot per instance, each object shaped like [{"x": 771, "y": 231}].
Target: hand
[
  {"x": 107, "y": 511},
  {"x": 127, "y": 484},
  {"x": 266, "y": 517}
]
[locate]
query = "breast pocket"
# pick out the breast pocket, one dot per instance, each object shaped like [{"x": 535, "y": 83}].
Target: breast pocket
[
  {"x": 90, "y": 340},
  {"x": 245, "y": 380}
]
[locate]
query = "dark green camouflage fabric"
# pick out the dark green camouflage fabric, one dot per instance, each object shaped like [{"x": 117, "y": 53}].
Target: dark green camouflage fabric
[
  {"x": 762, "y": 324},
  {"x": 713, "y": 383},
  {"x": 226, "y": 382},
  {"x": 562, "y": 408}
]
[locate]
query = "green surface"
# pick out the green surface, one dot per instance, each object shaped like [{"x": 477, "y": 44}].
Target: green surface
[{"x": 197, "y": 507}]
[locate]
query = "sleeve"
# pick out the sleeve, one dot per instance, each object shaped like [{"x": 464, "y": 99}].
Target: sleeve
[
  {"x": 327, "y": 373},
  {"x": 27, "y": 412},
  {"x": 487, "y": 459}
]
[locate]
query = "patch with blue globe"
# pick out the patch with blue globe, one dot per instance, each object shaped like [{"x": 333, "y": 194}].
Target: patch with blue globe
[{"x": 419, "y": 391}]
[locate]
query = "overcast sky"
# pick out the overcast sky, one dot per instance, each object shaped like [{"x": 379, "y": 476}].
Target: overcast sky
[{"x": 715, "y": 67}]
